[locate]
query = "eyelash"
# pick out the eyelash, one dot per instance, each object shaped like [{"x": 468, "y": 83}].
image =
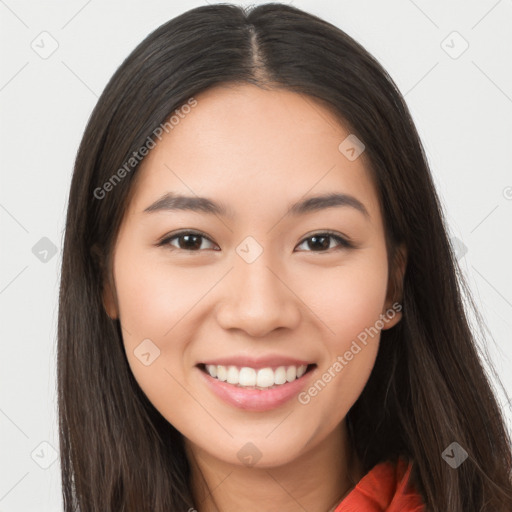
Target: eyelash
[{"x": 343, "y": 243}]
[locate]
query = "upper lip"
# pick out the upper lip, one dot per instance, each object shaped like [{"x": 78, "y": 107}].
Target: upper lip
[{"x": 268, "y": 361}]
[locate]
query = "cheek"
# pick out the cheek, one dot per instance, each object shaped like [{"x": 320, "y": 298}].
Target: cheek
[
  {"x": 347, "y": 365},
  {"x": 348, "y": 298},
  {"x": 154, "y": 298},
  {"x": 159, "y": 302},
  {"x": 153, "y": 304},
  {"x": 336, "y": 388},
  {"x": 150, "y": 306},
  {"x": 348, "y": 301}
]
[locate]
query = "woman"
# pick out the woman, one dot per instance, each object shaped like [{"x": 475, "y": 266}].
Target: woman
[{"x": 259, "y": 305}]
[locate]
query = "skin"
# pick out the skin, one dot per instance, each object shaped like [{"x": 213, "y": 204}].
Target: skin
[{"x": 257, "y": 151}]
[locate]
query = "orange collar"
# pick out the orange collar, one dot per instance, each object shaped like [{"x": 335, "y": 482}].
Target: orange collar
[{"x": 385, "y": 488}]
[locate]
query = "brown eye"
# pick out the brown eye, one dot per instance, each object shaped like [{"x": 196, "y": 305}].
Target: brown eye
[
  {"x": 186, "y": 241},
  {"x": 321, "y": 242}
]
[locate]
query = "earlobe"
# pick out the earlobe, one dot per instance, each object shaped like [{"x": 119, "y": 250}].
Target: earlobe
[
  {"x": 108, "y": 295},
  {"x": 392, "y": 316},
  {"x": 109, "y": 301},
  {"x": 393, "y": 307}
]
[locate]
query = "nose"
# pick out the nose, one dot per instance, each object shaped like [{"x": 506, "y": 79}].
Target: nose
[{"x": 257, "y": 299}]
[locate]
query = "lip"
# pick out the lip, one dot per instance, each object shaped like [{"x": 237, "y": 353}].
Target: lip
[
  {"x": 256, "y": 399},
  {"x": 269, "y": 361}
]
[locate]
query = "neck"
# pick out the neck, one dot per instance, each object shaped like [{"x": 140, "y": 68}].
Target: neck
[{"x": 315, "y": 481}]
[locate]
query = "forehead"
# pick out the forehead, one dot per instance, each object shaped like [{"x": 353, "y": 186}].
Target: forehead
[{"x": 252, "y": 149}]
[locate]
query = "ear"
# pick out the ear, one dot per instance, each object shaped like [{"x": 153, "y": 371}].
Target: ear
[
  {"x": 109, "y": 298},
  {"x": 393, "y": 305},
  {"x": 108, "y": 293}
]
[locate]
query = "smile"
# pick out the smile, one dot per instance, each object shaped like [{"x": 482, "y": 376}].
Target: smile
[
  {"x": 253, "y": 378},
  {"x": 256, "y": 388}
]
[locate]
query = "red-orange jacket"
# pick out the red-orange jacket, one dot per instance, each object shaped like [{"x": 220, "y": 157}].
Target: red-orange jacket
[{"x": 385, "y": 488}]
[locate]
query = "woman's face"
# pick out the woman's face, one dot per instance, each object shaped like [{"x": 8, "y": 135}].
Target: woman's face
[{"x": 252, "y": 287}]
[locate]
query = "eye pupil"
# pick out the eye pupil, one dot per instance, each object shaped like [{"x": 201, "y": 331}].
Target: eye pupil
[
  {"x": 324, "y": 245},
  {"x": 196, "y": 245}
]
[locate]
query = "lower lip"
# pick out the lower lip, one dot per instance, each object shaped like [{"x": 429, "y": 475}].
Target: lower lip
[{"x": 256, "y": 399}]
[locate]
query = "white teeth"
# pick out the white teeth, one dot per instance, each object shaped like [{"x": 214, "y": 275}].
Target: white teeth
[
  {"x": 291, "y": 373},
  {"x": 250, "y": 377},
  {"x": 247, "y": 377},
  {"x": 280, "y": 375},
  {"x": 232, "y": 376},
  {"x": 265, "y": 378},
  {"x": 221, "y": 373}
]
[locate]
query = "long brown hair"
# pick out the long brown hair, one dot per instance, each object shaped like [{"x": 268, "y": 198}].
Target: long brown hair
[{"x": 428, "y": 388}]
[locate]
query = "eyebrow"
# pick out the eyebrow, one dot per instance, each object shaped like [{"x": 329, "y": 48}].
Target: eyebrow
[{"x": 175, "y": 202}]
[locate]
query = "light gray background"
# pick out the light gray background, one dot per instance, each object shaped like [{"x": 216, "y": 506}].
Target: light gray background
[{"x": 462, "y": 107}]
